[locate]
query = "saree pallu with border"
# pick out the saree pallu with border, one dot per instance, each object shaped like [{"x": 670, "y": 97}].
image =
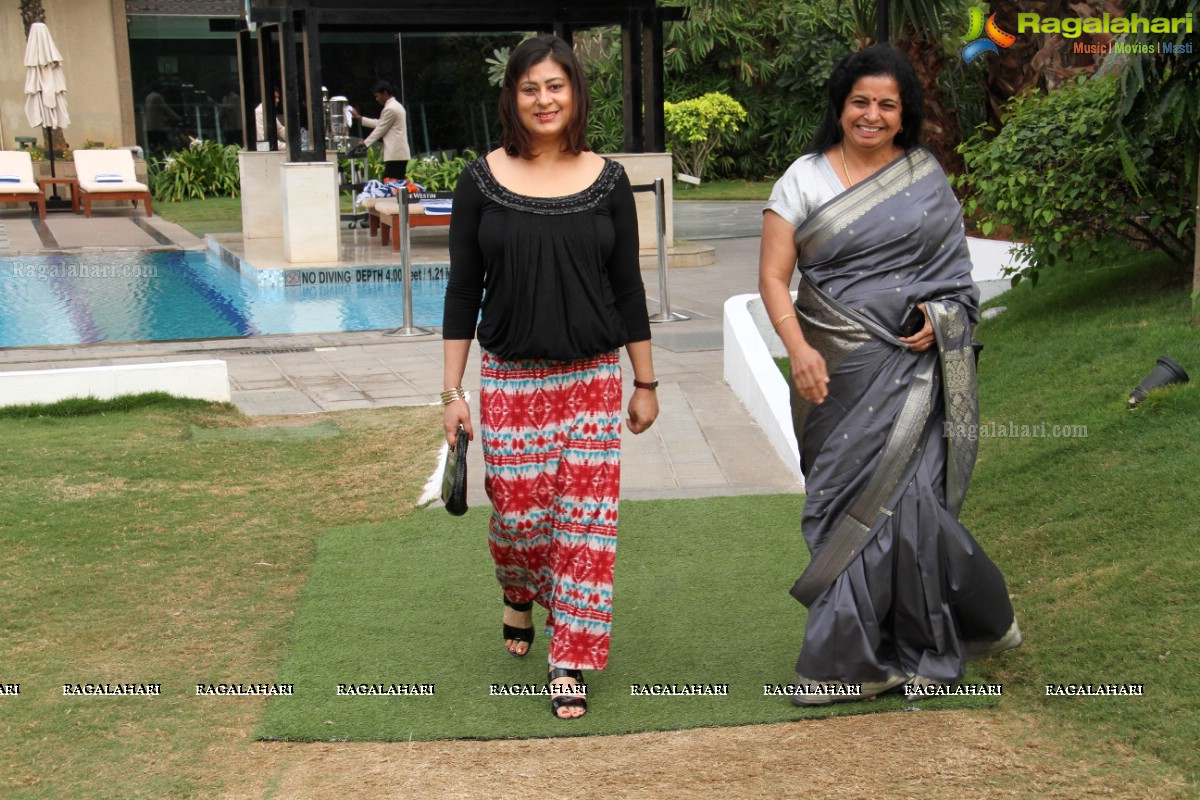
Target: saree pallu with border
[{"x": 897, "y": 587}]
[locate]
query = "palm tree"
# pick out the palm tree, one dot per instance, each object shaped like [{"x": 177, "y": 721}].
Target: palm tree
[
  {"x": 31, "y": 12},
  {"x": 1167, "y": 88},
  {"x": 915, "y": 27},
  {"x": 1040, "y": 60}
]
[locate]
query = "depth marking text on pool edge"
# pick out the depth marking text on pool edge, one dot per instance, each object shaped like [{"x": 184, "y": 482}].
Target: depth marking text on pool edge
[{"x": 315, "y": 277}]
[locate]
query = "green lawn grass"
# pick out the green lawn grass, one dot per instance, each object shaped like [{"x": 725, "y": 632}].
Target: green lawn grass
[
  {"x": 166, "y": 544},
  {"x": 200, "y": 217},
  {"x": 1096, "y": 530},
  {"x": 724, "y": 190}
]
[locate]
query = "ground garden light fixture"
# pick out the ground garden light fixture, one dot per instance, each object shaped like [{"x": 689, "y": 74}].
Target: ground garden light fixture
[{"x": 1165, "y": 373}]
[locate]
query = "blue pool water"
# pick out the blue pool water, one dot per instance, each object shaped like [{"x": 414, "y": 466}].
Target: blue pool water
[{"x": 134, "y": 297}]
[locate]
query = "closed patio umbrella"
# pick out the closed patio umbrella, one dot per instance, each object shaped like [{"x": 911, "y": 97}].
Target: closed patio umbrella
[{"x": 45, "y": 90}]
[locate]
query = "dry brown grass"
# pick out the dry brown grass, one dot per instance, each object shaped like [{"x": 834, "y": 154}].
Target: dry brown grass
[{"x": 926, "y": 755}]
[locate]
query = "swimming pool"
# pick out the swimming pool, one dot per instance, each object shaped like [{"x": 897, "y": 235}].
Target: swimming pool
[{"x": 164, "y": 296}]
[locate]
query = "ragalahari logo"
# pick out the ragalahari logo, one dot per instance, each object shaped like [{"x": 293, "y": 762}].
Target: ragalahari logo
[{"x": 977, "y": 44}]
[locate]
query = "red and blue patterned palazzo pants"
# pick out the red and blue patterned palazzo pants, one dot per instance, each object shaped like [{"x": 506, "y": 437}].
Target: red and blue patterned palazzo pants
[{"x": 551, "y": 433}]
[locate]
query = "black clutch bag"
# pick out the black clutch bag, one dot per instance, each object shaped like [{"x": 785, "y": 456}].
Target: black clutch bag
[
  {"x": 454, "y": 477},
  {"x": 913, "y": 322}
]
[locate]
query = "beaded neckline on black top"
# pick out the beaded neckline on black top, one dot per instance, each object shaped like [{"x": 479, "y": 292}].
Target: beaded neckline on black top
[{"x": 568, "y": 204}]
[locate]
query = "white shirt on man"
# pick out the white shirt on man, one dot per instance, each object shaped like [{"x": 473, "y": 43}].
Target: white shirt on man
[{"x": 260, "y": 127}]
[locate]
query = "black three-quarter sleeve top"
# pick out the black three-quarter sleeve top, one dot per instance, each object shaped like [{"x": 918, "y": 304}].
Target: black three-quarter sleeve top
[{"x": 556, "y": 277}]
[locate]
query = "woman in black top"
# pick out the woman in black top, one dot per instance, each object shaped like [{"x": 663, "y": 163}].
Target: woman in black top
[{"x": 544, "y": 242}]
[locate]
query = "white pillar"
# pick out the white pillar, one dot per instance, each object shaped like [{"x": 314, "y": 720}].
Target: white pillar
[
  {"x": 644, "y": 168},
  {"x": 310, "y": 211},
  {"x": 262, "y": 206}
]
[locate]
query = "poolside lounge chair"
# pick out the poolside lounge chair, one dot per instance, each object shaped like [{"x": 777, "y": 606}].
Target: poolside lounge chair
[
  {"x": 109, "y": 175},
  {"x": 16, "y": 181},
  {"x": 386, "y": 215}
]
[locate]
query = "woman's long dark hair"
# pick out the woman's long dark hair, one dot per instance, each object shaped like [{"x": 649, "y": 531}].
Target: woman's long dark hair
[
  {"x": 514, "y": 137},
  {"x": 880, "y": 59}
]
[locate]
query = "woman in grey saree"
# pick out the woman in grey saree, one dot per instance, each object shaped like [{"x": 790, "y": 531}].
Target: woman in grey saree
[{"x": 898, "y": 591}]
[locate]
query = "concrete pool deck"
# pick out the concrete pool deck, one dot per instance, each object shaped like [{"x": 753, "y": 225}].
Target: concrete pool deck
[
  {"x": 109, "y": 228},
  {"x": 704, "y": 443}
]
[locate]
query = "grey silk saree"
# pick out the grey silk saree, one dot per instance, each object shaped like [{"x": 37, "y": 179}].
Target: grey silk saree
[{"x": 897, "y": 587}]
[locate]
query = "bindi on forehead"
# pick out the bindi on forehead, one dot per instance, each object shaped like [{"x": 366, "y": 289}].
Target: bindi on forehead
[{"x": 874, "y": 98}]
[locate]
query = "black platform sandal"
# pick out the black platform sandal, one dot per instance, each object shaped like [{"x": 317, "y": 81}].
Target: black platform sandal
[
  {"x": 572, "y": 696},
  {"x": 514, "y": 634}
]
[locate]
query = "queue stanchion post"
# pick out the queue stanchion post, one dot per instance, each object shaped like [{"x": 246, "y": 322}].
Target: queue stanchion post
[
  {"x": 660, "y": 231},
  {"x": 407, "y": 329}
]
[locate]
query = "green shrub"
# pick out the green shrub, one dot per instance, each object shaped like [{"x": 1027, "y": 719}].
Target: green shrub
[
  {"x": 497, "y": 62},
  {"x": 772, "y": 57},
  {"x": 439, "y": 173},
  {"x": 203, "y": 169},
  {"x": 69, "y": 155},
  {"x": 1061, "y": 175},
  {"x": 602, "y": 62},
  {"x": 695, "y": 127},
  {"x": 373, "y": 163}
]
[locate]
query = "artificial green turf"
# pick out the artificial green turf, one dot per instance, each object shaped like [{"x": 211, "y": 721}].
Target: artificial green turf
[{"x": 701, "y": 597}]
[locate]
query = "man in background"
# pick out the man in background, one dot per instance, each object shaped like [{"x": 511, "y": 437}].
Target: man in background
[
  {"x": 391, "y": 128},
  {"x": 260, "y": 123},
  {"x": 159, "y": 118}
]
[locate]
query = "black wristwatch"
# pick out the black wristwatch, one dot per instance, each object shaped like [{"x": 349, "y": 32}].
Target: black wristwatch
[{"x": 652, "y": 385}]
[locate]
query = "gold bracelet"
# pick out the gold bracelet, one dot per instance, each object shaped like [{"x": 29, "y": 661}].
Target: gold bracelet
[
  {"x": 450, "y": 395},
  {"x": 781, "y": 319}
]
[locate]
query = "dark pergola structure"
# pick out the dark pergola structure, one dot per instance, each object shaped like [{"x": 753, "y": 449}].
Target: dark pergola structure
[{"x": 300, "y": 22}]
